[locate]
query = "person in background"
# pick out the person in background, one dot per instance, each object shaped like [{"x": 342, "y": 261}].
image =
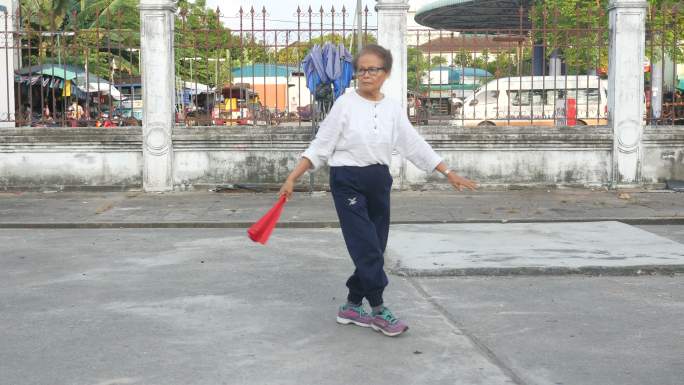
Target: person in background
[{"x": 75, "y": 113}]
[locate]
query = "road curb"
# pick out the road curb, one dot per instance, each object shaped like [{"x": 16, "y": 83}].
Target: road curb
[{"x": 319, "y": 224}]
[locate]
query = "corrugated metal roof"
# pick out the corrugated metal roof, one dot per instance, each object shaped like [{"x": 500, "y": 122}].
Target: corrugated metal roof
[
  {"x": 264, "y": 70},
  {"x": 456, "y": 72}
]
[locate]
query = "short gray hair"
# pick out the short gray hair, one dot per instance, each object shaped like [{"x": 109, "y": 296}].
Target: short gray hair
[{"x": 383, "y": 53}]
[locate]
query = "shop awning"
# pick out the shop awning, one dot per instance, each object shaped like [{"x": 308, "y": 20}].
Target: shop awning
[{"x": 86, "y": 82}]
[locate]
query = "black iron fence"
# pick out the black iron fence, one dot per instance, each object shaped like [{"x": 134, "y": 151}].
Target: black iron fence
[
  {"x": 664, "y": 65},
  {"x": 257, "y": 73},
  {"x": 83, "y": 69},
  {"x": 548, "y": 66},
  {"x": 67, "y": 69}
]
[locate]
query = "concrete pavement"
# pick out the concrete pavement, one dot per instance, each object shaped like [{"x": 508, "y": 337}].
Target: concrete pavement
[
  {"x": 572, "y": 329},
  {"x": 531, "y": 248},
  {"x": 492, "y": 232},
  {"x": 206, "y": 307},
  {"x": 90, "y": 296},
  {"x": 203, "y": 306}
]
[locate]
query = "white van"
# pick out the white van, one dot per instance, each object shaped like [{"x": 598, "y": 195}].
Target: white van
[{"x": 535, "y": 101}]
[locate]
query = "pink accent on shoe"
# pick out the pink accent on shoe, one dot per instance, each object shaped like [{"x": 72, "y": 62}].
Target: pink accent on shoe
[
  {"x": 353, "y": 315},
  {"x": 387, "y": 324}
]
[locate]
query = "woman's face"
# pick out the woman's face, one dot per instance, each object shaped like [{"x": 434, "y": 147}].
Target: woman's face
[{"x": 369, "y": 83}]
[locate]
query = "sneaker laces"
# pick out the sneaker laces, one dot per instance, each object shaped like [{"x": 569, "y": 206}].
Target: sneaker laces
[
  {"x": 359, "y": 309},
  {"x": 387, "y": 315}
]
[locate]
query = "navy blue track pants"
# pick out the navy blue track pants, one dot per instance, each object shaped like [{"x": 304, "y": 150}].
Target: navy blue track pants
[{"x": 362, "y": 201}]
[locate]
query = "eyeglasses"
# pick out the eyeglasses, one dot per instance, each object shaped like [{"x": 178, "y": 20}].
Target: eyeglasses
[{"x": 372, "y": 71}]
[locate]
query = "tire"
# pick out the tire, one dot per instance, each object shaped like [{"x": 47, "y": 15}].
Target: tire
[
  {"x": 486, "y": 123},
  {"x": 581, "y": 123}
]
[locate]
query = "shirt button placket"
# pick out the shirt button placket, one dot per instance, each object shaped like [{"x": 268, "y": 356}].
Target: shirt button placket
[{"x": 375, "y": 117}]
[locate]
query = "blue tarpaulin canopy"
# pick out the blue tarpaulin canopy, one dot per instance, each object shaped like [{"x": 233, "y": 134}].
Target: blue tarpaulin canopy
[
  {"x": 83, "y": 80},
  {"x": 456, "y": 74}
]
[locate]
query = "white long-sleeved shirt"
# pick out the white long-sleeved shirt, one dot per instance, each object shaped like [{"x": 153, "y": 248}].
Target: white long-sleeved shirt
[{"x": 362, "y": 132}]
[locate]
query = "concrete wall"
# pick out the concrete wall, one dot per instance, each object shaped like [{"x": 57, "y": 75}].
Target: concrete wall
[
  {"x": 64, "y": 158},
  {"x": 663, "y": 154},
  {"x": 495, "y": 156},
  {"x": 70, "y": 158},
  {"x": 521, "y": 155}
]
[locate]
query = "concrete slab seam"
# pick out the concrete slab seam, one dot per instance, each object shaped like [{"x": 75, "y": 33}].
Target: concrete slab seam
[
  {"x": 481, "y": 346},
  {"x": 622, "y": 271}
]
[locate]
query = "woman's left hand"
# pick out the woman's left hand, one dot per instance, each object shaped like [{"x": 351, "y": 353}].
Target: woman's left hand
[{"x": 460, "y": 182}]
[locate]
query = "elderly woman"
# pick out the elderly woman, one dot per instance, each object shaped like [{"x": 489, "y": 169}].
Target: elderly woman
[{"x": 356, "y": 139}]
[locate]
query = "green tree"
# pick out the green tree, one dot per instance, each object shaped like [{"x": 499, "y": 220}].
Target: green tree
[
  {"x": 579, "y": 29},
  {"x": 505, "y": 64},
  {"x": 203, "y": 46},
  {"x": 665, "y": 28},
  {"x": 72, "y": 32},
  {"x": 109, "y": 33},
  {"x": 438, "y": 61},
  {"x": 109, "y": 14},
  {"x": 45, "y": 15},
  {"x": 297, "y": 51},
  {"x": 418, "y": 66},
  {"x": 576, "y": 28}
]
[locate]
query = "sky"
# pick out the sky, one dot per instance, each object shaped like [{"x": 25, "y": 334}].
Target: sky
[{"x": 283, "y": 13}]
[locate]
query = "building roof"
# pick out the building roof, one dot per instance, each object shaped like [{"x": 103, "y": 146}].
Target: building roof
[
  {"x": 460, "y": 15},
  {"x": 468, "y": 43},
  {"x": 63, "y": 71},
  {"x": 194, "y": 87},
  {"x": 85, "y": 81},
  {"x": 264, "y": 70},
  {"x": 456, "y": 73}
]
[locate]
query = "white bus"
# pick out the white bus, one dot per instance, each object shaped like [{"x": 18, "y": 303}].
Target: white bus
[{"x": 535, "y": 101}]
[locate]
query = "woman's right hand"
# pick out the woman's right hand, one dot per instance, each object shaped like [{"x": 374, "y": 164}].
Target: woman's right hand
[{"x": 287, "y": 188}]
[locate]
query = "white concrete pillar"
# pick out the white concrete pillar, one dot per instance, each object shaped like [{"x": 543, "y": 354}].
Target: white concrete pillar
[
  {"x": 663, "y": 77},
  {"x": 669, "y": 73},
  {"x": 656, "y": 89},
  {"x": 9, "y": 61},
  {"x": 158, "y": 74},
  {"x": 627, "y": 20},
  {"x": 392, "y": 35},
  {"x": 392, "y": 15}
]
